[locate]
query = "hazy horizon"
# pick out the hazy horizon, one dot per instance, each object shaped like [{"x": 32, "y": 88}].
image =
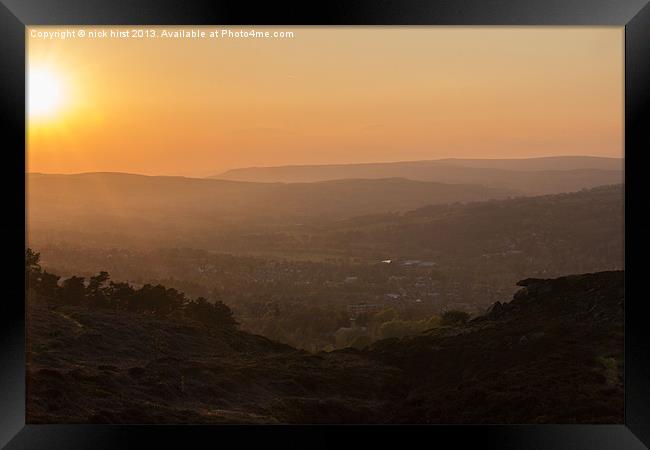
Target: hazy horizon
[
  {"x": 360, "y": 163},
  {"x": 329, "y": 95}
]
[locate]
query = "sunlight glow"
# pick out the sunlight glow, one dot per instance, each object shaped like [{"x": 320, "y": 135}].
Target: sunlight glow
[{"x": 44, "y": 93}]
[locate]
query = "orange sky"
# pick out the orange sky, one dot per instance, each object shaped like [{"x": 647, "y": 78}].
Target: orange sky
[{"x": 329, "y": 95}]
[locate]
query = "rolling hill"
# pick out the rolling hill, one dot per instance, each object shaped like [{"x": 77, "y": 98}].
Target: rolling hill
[
  {"x": 552, "y": 234},
  {"x": 531, "y": 176},
  {"x": 583, "y": 220},
  {"x": 136, "y": 204}
]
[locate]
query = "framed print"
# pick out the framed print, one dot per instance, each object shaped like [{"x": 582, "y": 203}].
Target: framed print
[{"x": 279, "y": 224}]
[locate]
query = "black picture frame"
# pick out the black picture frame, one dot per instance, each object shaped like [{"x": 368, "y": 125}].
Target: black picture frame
[{"x": 15, "y": 15}]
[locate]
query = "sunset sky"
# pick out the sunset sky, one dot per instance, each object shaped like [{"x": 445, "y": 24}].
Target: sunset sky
[{"x": 328, "y": 95}]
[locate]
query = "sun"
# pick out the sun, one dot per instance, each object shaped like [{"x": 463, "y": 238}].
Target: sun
[{"x": 45, "y": 93}]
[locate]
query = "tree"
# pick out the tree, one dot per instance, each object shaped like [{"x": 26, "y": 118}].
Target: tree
[
  {"x": 97, "y": 292},
  {"x": 121, "y": 294},
  {"x": 223, "y": 314},
  {"x": 174, "y": 299},
  {"x": 41, "y": 281},
  {"x": 361, "y": 342},
  {"x": 48, "y": 284},
  {"x": 148, "y": 298},
  {"x": 96, "y": 283},
  {"x": 101, "y": 292},
  {"x": 32, "y": 268},
  {"x": 385, "y": 315},
  {"x": 395, "y": 328},
  {"x": 156, "y": 299},
  {"x": 345, "y": 336},
  {"x": 73, "y": 291},
  {"x": 217, "y": 313}
]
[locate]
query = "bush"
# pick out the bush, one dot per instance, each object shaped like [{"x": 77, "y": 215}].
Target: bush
[
  {"x": 454, "y": 318},
  {"x": 100, "y": 292},
  {"x": 217, "y": 313},
  {"x": 396, "y": 328},
  {"x": 361, "y": 342}
]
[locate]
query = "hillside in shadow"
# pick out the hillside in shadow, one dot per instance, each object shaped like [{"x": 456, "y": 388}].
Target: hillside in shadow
[
  {"x": 553, "y": 354},
  {"x": 570, "y": 223}
]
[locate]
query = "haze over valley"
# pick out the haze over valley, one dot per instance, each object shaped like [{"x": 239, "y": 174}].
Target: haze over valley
[
  {"x": 332, "y": 225},
  {"x": 415, "y": 247}
]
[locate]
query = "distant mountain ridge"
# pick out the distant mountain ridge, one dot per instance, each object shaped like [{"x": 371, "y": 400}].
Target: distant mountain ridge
[
  {"x": 529, "y": 176},
  {"x": 111, "y": 200}
]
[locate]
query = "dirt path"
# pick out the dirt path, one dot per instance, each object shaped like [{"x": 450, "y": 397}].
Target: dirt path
[{"x": 79, "y": 326}]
